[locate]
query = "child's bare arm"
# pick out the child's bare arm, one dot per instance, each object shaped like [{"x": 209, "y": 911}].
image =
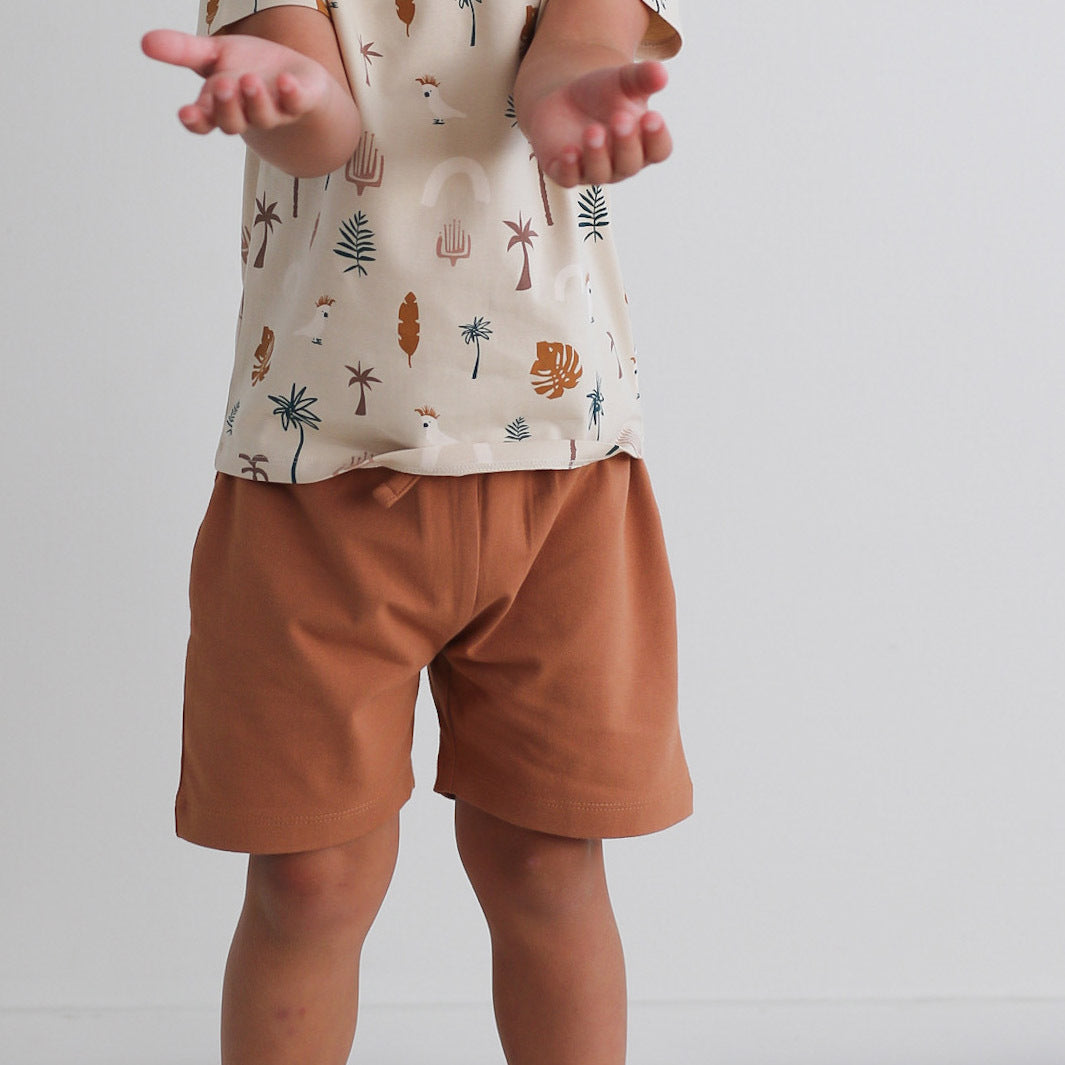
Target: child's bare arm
[
  {"x": 277, "y": 79},
  {"x": 580, "y": 98}
]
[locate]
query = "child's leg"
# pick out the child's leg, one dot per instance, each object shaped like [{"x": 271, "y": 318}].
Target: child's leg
[
  {"x": 291, "y": 985},
  {"x": 557, "y": 963}
]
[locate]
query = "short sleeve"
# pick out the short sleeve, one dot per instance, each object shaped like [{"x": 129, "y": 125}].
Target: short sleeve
[
  {"x": 214, "y": 14},
  {"x": 663, "y": 37}
]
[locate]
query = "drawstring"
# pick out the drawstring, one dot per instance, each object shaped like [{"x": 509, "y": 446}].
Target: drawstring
[{"x": 395, "y": 488}]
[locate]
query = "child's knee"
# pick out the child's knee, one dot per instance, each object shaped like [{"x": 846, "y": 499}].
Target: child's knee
[
  {"x": 517, "y": 871},
  {"x": 330, "y": 888}
]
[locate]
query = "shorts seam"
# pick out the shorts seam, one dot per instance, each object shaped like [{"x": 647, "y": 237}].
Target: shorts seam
[
  {"x": 279, "y": 821},
  {"x": 564, "y": 804}
]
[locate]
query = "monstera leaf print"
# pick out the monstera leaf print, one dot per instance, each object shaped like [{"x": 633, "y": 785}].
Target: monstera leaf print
[{"x": 557, "y": 367}]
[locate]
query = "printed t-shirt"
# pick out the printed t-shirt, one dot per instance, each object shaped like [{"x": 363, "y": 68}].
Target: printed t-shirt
[{"x": 437, "y": 305}]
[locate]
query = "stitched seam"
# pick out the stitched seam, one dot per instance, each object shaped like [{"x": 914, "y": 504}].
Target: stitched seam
[{"x": 276, "y": 821}]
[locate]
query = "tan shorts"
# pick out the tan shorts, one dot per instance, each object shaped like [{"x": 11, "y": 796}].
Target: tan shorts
[{"x": 540, "y": 601}]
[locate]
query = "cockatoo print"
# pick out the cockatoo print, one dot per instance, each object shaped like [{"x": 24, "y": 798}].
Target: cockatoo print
[
  {"x": 317, "y": 327},
  {"x": 441, "y": 110},
  {"x": 436, "y": 438}
]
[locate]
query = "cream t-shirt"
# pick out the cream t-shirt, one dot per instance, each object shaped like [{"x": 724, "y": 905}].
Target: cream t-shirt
[{"x": 436, "y": 305}]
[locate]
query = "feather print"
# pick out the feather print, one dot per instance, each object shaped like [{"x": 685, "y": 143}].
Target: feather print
[
  {"x": 405, "y": 11},
  {"x": 409, "y": 330}
]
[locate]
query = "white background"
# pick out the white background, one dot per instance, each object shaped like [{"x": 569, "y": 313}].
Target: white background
[{"x": 847, "y": 287}]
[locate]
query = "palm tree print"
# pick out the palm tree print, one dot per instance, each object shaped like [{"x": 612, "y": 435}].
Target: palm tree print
[
  {"x": 473, "y": 15},
  {"x": 295, "y": 410},
  {"x": 265, "y": 217},
  {"x": 596, "y": 410},
  {"x": 368, "y": 56},
  {"x": 475, "y": 332},
  {"x": 363, "y": 379},
  {"x": 523, "y": 235},
  {"x": 594, "y": 213}
]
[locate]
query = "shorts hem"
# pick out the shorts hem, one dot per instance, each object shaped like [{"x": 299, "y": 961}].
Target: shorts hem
[
  {"x": 574, "y": 818},
  {"x": 281, "y": 834}
]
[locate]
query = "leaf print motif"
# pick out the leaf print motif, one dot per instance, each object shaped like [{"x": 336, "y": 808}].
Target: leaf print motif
[
  {"x": 231, "y": 418},
  {"x": 405, "y": 11},
  {"x": 557, "y": 367},
  {"x": 594, "y": 213},
  {"x": 518, "y": 430},
  {"x": 356, "y": 243},
  {"x": 409, "y": 330},
  {"x": 295, "y": 410},
  {"x": 262, "y": 356},
  {"x": 212, "y": 11}
]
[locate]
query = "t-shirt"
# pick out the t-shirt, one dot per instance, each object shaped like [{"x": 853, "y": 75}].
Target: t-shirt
[{"x": 436, "y": 305}]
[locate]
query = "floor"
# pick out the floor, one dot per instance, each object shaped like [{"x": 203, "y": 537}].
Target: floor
[{"x": 928, "y": 1032}]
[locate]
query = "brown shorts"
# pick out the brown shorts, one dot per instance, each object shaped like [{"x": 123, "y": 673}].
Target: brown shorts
[{"x": 540, "y": 601}]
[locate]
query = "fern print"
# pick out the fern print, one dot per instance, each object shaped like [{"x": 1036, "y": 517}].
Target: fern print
[
  {"x": 356, "y": 243},
  {"x": 594, "y": 213},
  {"x": 231, "y": 418},
  {"x": 518, "y": 430}
]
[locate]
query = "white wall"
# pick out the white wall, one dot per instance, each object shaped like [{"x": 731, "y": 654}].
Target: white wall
[{"x": 847, "y": 286}]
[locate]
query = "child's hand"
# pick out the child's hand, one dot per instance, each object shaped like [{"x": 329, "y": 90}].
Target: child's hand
[
  {"x": 597, "y": 128},
  {"x": 249, "y": 82}
]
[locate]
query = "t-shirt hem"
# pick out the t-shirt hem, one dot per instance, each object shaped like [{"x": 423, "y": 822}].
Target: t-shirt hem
[{"x": 435, "y": 462}]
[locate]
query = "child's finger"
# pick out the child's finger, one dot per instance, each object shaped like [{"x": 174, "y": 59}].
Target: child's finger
[
  {"x": 259, "y": 106},
  {"x": 291, "y": 96},
  {"x": 194, "y": 119},
  {"x": 566, "y": 169},
  {"x": 227, "y": 107},
  {"x": 640, "y": 80},
  {"x": 596, "y": 165},
  {"x": 181, "y": 49},
  {"x": 628, "y": 152},
  {"x": 657, "y": 141}
]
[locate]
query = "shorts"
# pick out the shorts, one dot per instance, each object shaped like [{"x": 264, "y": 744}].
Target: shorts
[{"x": 539, "y": 600}]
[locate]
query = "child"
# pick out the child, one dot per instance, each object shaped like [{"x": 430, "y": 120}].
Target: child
[{"x": 434, "y": 366}]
